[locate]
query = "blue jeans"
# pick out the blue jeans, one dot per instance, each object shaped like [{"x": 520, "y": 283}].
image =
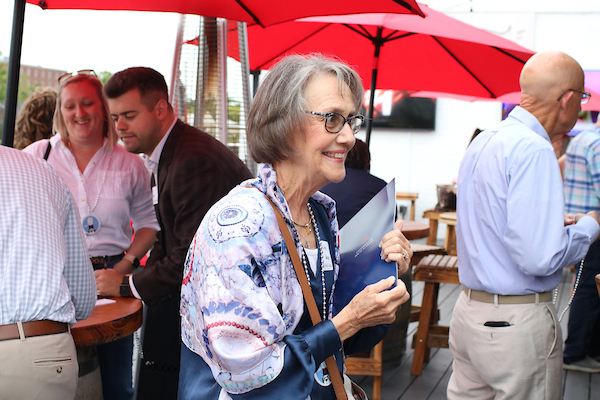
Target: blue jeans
[{"x": 116, "y": 365}]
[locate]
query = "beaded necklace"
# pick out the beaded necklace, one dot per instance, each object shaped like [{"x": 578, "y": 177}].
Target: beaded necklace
[
  {"x": 91, "y": 224},
  {"x": 305, "y": 261}
]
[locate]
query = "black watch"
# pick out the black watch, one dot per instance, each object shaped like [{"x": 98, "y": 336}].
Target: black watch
[{"x": 125, "y": 289}]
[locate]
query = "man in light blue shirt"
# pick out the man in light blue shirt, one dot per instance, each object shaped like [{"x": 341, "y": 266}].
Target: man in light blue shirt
[
  {"x": 582, "y": 194},
  {"x": 46, "y": 280},
  {"x": 512, "y": 242}
]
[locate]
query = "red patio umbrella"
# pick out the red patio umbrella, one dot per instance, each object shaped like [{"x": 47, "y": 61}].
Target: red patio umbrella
[
  {"x": 463, "y": 97},
  {"x": 437, "y": 53},
  {"x": 592, "y": 85},
  {"x": 260, "y": 12},
  {"x": 592, "y": 105}
]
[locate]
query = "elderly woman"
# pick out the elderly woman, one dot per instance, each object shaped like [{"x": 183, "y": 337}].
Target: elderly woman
[
  {"x": 111, "y": 188},
  {"x": 245, "y": 327}
]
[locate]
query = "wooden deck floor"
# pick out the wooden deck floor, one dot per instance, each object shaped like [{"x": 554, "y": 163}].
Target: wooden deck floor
[{"x": 399, "y": 384}]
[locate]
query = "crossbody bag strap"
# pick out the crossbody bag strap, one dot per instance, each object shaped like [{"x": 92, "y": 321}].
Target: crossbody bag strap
[
  {"x": 47, "y": 150},
  {"x": 334, "y": 372}
]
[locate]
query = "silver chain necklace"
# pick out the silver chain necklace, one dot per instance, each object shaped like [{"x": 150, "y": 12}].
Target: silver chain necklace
[
  {"x": 305, "y": 261},
  {"x": 91, "y": 224}
]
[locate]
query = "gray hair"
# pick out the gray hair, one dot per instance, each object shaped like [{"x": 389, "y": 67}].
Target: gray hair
[
  {"x": 278, "y": 107},
  {"x": 109, "y": 130}
]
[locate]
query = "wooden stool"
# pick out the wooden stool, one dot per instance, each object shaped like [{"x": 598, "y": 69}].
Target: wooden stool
[
  {"x": 368, "y": 363},
  {"x": 420, "y": 251},
  {"x": 433, "y": 270},
  {"x": 449, "y": 218},
  {"x": 412, "y": 196}
]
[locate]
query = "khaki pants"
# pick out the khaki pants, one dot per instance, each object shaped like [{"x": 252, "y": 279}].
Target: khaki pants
[
  {"x": 522, "y": 361},
  {"x": 40, "y": 367}
]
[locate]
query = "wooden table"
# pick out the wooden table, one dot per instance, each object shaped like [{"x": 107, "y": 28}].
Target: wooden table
[
  {"x": 433, "y": 216},
  {"x": 449, "y": 218},
  {"x": 415, "y": 230},
  {"x": 109, "y": 322},
  {"x": 412, "y": 196}
]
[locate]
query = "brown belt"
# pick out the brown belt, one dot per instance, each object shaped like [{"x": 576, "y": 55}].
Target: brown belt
[
  {"x": 33, "y": 328},
  {"x": 486, "y": 297}
]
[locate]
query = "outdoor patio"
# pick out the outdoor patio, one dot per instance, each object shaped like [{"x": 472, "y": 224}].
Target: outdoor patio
[{"x": 399, "y": 384}]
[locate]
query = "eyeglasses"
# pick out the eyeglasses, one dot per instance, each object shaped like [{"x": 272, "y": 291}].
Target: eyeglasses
[
  {"x": 585, "y": 96},
  {"x": 69, "y": 75},
  {"x": 334, "y": 122}
]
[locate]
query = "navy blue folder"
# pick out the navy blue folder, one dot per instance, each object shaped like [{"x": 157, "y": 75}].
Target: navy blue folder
[{"x": 361, "y": 262}]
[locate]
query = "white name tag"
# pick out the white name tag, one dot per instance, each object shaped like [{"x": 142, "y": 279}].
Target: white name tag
[
  {"x": 155, "y": 195},
  {"x": 327, "y": 263}
]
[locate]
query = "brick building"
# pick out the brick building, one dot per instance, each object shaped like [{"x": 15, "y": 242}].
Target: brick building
[
  {"x": 37, "y": 76},
  {"x": 41, "y": 76}
]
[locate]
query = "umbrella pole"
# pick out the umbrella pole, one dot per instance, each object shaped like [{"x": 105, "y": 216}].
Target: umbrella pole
[
  {"x": 12, "y": 83},
  {"x": 255, "y": 81},
  {"x": 371, "y": 101},
  {"x": 377, "y": 42}
]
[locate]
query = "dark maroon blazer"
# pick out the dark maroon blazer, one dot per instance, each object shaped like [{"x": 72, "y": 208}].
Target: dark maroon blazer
[{"x": 195, "y": 171}]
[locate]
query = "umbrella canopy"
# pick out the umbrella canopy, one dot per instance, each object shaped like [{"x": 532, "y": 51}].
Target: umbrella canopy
[
  {"x": 261, "y": 12},
  {"x": 435, "y": 95},
  {"x": 592, "y": 80},
  {"x": 592, "y": 105},
  {"x": 592, "y": 85},
  {"x": 437, "y": 53}
]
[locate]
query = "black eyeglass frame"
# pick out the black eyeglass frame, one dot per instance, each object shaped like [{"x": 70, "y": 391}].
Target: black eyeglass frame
[
  {"x": 346, "y": 120},
  {"x": 69, "y": 75},
  {"x": 585, "y": 96}
]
